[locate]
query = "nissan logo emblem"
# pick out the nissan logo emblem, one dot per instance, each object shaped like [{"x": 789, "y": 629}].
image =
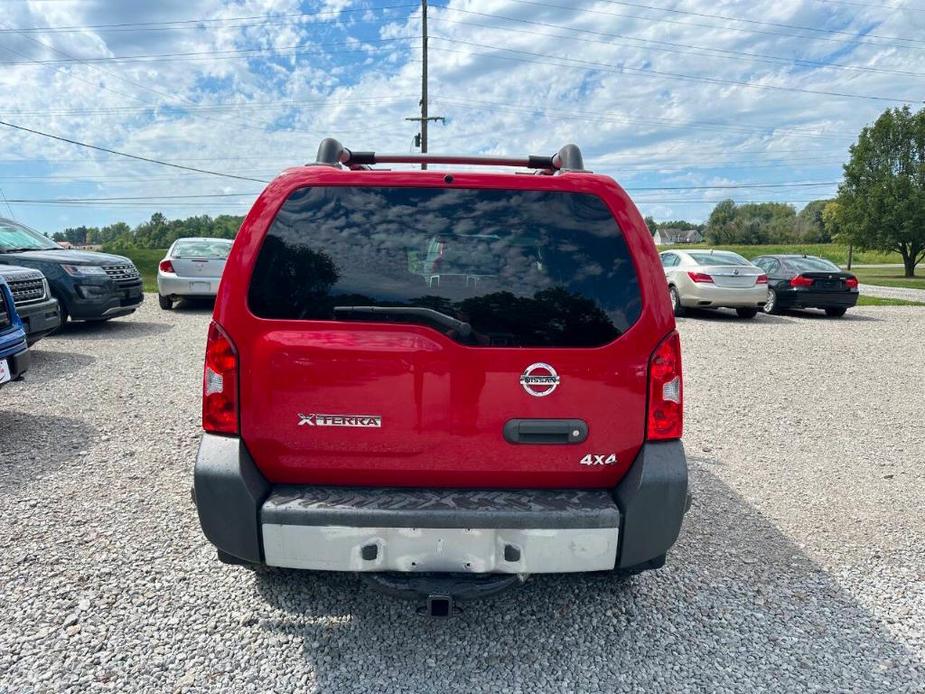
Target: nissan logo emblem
[{"x": 539, "y": 380}]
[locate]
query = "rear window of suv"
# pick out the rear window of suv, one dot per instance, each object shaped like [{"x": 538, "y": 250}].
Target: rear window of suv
[{"x": 485, "y": 267}]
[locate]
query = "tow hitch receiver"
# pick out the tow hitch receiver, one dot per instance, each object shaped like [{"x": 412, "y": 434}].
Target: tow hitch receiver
[{"x": 439, "y": 605}]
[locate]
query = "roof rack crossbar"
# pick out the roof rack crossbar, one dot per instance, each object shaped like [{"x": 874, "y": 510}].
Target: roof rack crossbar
[{"x": 333, "y": 153}]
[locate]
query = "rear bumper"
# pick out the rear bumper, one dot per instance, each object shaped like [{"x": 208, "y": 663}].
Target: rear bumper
[
  {"x": 797, "y": 298},
  {"x": 172, "y": 285},
  {"x": 440, "y": 530},
  {"x": 700, "y": 294}
]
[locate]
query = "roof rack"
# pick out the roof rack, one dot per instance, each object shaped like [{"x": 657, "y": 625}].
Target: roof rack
[{"x": 333, "y": 153}]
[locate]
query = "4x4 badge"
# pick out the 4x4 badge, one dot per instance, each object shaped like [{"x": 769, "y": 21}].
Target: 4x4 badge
[{"x": 539, "y": 380}]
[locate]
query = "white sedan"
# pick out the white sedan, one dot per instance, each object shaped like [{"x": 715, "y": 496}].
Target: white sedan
[
  {"x": 192, "y": 268},
  {"x": 714, "y": 279}
]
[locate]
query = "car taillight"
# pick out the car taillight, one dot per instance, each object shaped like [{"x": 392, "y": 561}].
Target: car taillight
[
  {"x": 761, "y": 279},
  {"x": 166, "y": 266},
  {"x": 665, "y": 419},
  {"x": 220, "y": 384},
  {"x": 851, "y": 283},
  {"x": 700, "y": 277},
  {"x": 801, "y": 281}
]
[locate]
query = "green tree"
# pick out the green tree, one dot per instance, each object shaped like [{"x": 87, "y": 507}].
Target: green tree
[
  {"x": 882, "y": 197},
  {"x": 652, "y": 224},
  {"x": 752, "y": 223},
  {"x": 810, "y": 226}
]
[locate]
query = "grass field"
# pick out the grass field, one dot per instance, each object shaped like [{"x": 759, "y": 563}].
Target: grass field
[
  {"x": 836, "y": 252},
  {"x": 890, "y": 277},
  {"x": 146, "y": 260},
  {"x": 877, "y": 301}
]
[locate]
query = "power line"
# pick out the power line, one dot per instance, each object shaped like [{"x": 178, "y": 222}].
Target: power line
[
  {"x": 608, "y": 67},
  {"x": 129, "y": 156},
  {"x": 740, "y": 185},
  {"x": 599, "y": 117},
  {"x": 229, "y": 54},
  {"x": 726, "y": 54},
  {"x": 142, "y": 198},
  {"x": 759, "y": 22},
  {"x": 662, "y": 20},
  {"x": 194, "y": 23}
]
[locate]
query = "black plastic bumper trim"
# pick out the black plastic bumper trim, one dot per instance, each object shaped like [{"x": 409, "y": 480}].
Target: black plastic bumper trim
[
  {"x": 652, "y": 498},
  {"x": 357, "y": 507},
  {"x": 229, "y": 491}
]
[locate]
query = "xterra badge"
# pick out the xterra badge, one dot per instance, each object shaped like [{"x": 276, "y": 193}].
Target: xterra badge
[
  {"x": 340, "y": 420},
  {"x": 539, "y": 380}
]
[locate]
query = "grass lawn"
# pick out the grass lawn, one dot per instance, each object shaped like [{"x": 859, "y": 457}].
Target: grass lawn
[
  {"x": 876, "y": 301},
  {"x": 890, "y": 277},
  {"x": 146, "y": 260},
  {"x": 836, "y": 252}
]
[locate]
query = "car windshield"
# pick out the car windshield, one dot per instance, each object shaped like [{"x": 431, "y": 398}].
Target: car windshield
[
  {"x": 15, "y": 237},
  {"x": 719, "y": 258},
  {"x": 485, "y": 267},
  {"x": 812, "y": 264},
  {"x": 202, "y": 248}
]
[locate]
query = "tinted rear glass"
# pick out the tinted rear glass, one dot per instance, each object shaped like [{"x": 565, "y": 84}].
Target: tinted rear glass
[
  {"x": 725, "y": 258},
  {"x": 485, "y": 267},
  {"x": 811, "y": 265}
]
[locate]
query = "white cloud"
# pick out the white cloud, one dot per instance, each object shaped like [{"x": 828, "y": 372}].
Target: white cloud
[{"x": 510, "y": 76}]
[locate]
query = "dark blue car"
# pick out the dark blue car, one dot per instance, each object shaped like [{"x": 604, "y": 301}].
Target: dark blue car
[{"x": 14, "y": 355}]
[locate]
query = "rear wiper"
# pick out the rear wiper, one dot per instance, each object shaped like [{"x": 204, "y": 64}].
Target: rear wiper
[{"x": 461, "y": 327}]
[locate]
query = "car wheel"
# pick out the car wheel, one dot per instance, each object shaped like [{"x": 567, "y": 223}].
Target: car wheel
[
  {"x": 166, "y": 302},
  {"x": 676, "y": 306},
  {"x": 770, "y": 306},
  {"x": 746, "y": 312},
  {"x": 835, "y": 311}
]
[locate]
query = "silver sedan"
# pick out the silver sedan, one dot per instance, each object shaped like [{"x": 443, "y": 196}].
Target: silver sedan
[
  {"x": 714, "y": 279},
  {"x": 192, "y": 268}
]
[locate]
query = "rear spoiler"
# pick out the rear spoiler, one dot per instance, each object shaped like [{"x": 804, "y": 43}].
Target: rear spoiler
[{"x": 333, "y": 153}]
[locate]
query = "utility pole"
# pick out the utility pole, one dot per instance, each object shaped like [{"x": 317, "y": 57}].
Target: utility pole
[{"x": 424, "y": 119}]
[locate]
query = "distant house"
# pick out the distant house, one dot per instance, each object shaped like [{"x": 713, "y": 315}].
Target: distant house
[
  {"x": 671, "y": 236},
  {"x": 65, "y": 244}
]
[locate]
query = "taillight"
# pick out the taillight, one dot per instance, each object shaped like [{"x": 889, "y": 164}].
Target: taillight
[
  {"x": 166, "y": 266},
  {"x": 761, "y": 279},
  {"x": 801, "y": 281},
  {"x": 700, "y": 277},
  {"x": 851, "y": 283},
  {"x": 666, "y": 392},
  {"x": 220, "y": 384}
]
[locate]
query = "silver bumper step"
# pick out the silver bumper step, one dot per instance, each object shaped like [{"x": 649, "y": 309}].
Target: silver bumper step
[{"x": 468, "y": 531}]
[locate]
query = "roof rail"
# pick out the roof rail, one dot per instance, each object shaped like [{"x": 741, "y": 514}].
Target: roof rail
[{"x": 333, "y": 153}]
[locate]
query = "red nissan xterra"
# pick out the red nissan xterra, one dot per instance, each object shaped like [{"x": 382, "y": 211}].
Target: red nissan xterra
[{"x": 443, "y": 381}]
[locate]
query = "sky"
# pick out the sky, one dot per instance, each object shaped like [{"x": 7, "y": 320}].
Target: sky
[{"x": 684, "y": 102}]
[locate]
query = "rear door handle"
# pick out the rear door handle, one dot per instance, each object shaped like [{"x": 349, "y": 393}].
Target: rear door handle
[{"x": 545, "y": 431}]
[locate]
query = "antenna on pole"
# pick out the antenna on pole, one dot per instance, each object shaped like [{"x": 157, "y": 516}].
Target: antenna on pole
[{"x": 424, "y": 118}]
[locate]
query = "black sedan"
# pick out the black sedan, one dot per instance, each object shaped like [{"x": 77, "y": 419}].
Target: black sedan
[{"x": 805, "y": 281}]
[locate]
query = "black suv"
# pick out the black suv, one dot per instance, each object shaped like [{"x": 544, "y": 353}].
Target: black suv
[
  {"x": 36, "y": 307},
  {"x": 87, "y": 285}
]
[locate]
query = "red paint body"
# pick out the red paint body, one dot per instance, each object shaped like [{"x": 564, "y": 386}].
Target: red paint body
[{"x": 443, "y": 405}]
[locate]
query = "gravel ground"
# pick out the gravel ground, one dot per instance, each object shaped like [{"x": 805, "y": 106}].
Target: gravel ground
[{"x": 801, "y": 566}]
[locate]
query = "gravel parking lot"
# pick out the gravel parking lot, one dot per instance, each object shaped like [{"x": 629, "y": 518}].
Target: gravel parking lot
[{"x": 801, "y": 565}]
